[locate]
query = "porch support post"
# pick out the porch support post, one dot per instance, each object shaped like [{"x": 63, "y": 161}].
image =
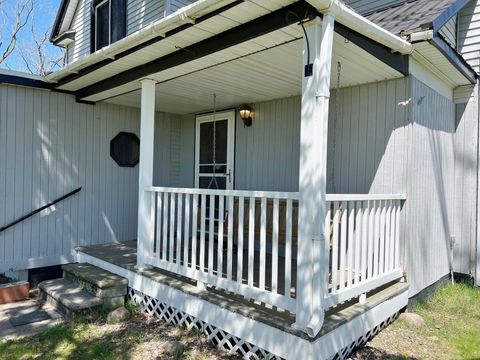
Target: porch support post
[
  {"x": 312, "y": 260},
  {"x": 145, "y": 235}
]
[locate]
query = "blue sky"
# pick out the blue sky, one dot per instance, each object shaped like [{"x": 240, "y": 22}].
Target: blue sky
[{"x": 43, "y": 17}]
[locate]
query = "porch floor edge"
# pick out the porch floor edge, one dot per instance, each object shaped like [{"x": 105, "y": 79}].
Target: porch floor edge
[{"x": 255, "y": 324}]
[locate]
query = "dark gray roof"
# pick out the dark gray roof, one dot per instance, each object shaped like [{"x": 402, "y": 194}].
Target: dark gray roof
[{"x": 412, "y": 15}]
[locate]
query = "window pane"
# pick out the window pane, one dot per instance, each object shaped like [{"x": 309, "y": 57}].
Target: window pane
[
  {"x": 206, "y": 142},
  {"x": 102, "y": 25}
]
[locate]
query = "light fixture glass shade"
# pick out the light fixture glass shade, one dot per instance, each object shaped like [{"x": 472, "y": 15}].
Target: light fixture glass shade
[{"x": 245, "y": 112}]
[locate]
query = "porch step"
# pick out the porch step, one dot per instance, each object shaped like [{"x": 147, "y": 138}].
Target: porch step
[
  {"x": 67, "y": 297},
  {"x": 102, "y": 284}
]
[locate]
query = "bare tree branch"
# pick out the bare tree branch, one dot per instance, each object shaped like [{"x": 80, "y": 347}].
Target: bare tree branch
[{"x": 23, "y": 12}]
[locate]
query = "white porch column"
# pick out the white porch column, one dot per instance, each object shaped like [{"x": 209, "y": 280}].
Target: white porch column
[
  {"x": 145, "y": 235},
  {"x": 312, "y": 261}
]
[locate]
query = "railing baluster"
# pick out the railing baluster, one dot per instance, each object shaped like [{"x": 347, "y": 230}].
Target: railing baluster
[
  {"x": 376, "y": 240},
  {"x": 288, "y": 248},
  {"x": 388, "y": 238},
  {"x": 275, "y": 221},
  {"x": 221, "y": 216},
  {"x": 358, "y": 240},
  {"x": 343, "y": 243},
  {"x": 397, "y": 234},
  {"x": 263, "y": 242},
  {"x": 194, "y": 230},
  {"x": 335, "y": 247},
  {"x": 203, "y": 207},
  {"x": 230, "y": 238},
  {"x": 351, "y": 241},
  {"x": 364, "y": 240},
  {"x": 211, "y": 233},
  {"x": 371, "y": 236},
  {"x": 251, "y": 240},
  {"x": 186, "y": 231},
  {"x": 382, "y": 239},
  {"x": 159, "y": 225},
  {"x": 328, "y": 232},
  {"x": 166, "y": 197},
  {"x": 241, "y": 216},
  {"x": 392, "y": 236},
  {"x": 178, "y": 254},
  {"x": 172, "y": 227}
]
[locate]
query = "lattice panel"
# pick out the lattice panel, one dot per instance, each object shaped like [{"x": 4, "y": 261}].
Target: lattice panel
[
  {"x": 228, "y": 342},
  {"x": 219, "y": 338},
  {"x": 361, "y": 341}
]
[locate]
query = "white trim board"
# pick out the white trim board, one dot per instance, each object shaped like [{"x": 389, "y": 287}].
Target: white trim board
[
  {"x": 426, "y": 75},
  {"x": 271, "y": 339}
]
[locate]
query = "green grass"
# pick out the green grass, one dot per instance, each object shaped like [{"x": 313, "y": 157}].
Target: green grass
[
  {"x": 454, "y": 315},
  {"x": 91, "y": 337}
]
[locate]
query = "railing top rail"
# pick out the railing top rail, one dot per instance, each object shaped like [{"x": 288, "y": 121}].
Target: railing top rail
[
  {"x": 365, "y": 197},
  {"x": 244, "y": 193}
]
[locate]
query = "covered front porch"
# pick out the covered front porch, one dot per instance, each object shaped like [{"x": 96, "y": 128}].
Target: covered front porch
[{"x": 286, "y": 234}]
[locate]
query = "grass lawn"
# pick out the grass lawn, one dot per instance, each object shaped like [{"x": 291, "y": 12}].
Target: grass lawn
[
  {"x": 451, "y": 329},
  {"x": 90, "y": 337}
]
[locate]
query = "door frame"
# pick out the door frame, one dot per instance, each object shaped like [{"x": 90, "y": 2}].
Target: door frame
[{"x": 229, "y": 115}]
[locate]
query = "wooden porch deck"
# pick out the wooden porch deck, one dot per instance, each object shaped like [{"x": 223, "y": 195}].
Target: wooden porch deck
[{"x": 124, "y": 255}]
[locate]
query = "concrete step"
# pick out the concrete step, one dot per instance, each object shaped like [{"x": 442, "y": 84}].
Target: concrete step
[
  {"x": 103, "y": 284},
  {"x": 67, "y": 297}
]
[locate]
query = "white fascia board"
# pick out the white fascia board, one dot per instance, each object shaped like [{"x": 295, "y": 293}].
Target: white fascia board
[
  {"x": 430, "y": 76},
  {"x": 182, "y": 16}
]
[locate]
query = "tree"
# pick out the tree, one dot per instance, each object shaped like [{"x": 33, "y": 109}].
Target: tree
[
  {"x": 22, "y": 11},
  {"x": 25, "y": 44}
]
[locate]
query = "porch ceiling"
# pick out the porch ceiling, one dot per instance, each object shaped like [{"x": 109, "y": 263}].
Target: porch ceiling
[{"x": 267, "y": 71}]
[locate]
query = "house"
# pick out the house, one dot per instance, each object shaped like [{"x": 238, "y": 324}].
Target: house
[{"x": 295, "y": 226}]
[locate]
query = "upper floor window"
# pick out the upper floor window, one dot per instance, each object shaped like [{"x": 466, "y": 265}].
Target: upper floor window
[
  {"x": 108, "y": 22},
  {"x": 102, "y": 24}
]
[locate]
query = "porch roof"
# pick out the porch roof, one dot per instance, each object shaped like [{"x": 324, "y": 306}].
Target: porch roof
[{"x": 219, "y": 51}]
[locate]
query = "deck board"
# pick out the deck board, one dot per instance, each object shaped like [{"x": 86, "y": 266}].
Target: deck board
[{"x": 125, "y": 255}]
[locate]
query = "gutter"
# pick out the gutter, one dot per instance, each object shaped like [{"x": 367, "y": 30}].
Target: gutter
[
  {"x": 348, "y": 17},
  {"x": 185, "y": 15},
  {"x": 433, "y": 38}
]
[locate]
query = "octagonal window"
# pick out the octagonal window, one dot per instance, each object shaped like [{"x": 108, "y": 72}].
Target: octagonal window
[{"x": 125, "y": 149}]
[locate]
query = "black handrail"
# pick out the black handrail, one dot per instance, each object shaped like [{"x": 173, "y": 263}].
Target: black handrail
[{"x": 71, "y": 193}]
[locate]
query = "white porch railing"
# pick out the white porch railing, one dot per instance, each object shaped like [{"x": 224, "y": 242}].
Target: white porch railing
[
  {"x": 364, "y": 233},
  {"x": 247, "y": 241},
  {"x": 237, "y": 244}
]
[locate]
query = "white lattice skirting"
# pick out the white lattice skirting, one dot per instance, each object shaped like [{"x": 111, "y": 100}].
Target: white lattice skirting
[{"x": 222, "y": 339}]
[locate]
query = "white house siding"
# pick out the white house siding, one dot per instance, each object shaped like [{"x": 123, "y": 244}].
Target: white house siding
[
  {"x": 430, "y": 187},
  {"x": 177, "y": 4},
  {"x": 81, "y": 24},
  {"x": 466, "y": 163},
  {"x": 469, "y": 34},
  {"x": 449, "y": 31},
  {"x": 143, "y": 12},
  {"x": 267, "y": 153},
  {"x": 140, "y": 13},
  {"x": 50, "y": 145}
]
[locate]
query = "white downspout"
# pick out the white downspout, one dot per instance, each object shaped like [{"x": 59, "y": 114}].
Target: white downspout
[
  {"x": 348, "y": 17},
  {"x": 312, "y": 259}
]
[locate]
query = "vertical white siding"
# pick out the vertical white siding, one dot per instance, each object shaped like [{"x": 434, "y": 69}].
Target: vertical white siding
[
  {"x": 466, "y": 163},
  {"x": 50, "y": 145},
  {"x": 368, "y": 138},
  {"x": 469, "y": 34},
  {"x": 430, "y": 187},
  {"x": 166, "y": 171}
]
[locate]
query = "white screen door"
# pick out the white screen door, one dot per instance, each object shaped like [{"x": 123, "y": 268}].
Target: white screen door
[{"x": 214, "y": 155}]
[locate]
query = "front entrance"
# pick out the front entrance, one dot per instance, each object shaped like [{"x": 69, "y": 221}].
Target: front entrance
[{"x": 214, "y": 150}]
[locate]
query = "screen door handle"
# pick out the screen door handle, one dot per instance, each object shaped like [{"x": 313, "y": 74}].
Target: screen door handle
[{"x": 229, "y": 175}]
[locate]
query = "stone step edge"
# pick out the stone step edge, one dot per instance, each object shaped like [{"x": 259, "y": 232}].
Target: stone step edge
[{"x": 71, "y": 269}]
